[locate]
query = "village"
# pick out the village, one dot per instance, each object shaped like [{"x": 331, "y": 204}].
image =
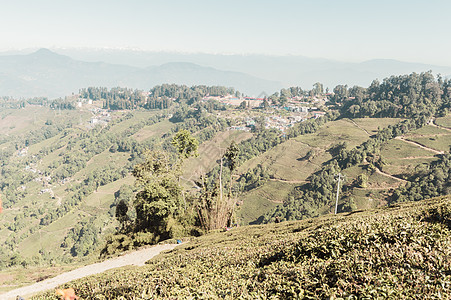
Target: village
[{"x": 295, "y": 110}]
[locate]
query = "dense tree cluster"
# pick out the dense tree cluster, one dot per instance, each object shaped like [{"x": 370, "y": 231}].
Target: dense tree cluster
[
  {"x": 397, "y": 96},
  {"x": 159, "y": 97},
  {"x": 161, "y": 207},
  {"x": 254, "y": 178},
  {"x": 83, "y": 238},
  {"x": 430, "y": 181}
]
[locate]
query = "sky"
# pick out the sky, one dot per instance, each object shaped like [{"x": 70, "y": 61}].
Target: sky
[{"x": 345, "y": 30}]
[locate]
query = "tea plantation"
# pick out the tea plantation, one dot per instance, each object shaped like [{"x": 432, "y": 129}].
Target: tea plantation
[{"x": 397, "y": 252}]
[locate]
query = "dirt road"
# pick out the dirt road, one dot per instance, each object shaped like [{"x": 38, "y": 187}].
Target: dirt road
[
  {"x": 419, "y": 145},
  {"x": 137, "y": 258}
]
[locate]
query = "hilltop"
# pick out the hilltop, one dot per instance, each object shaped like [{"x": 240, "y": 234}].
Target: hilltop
[{"x": 401, "y": 252}]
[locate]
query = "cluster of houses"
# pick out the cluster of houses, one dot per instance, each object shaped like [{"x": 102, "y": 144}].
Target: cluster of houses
[
  {"x": 99, "y": 116},
  {"x": 281, "y": 122},
  {"x": 41, "y": 178}
]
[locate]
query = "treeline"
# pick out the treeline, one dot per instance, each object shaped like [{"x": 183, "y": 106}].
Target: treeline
[
  {"x": 397, "y": 96},
  {"x": 183, "y": 92},
  {"x": 163, "y": 96},
  {"x": 159, "y": 97},
  {"x": 14, "y": 103},
  {"x": 115, "y": 98}
]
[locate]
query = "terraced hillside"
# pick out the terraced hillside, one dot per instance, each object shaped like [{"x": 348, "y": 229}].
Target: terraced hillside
[{"x": 62, "y": 173}]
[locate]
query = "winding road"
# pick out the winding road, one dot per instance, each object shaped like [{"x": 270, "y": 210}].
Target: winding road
[{"x": 137, "y": 258}]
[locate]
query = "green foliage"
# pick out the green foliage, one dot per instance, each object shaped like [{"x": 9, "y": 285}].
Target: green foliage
[
  {"x": 84, "y": 238},
  {"x": 349, "y": 205},
  {"x": 397, "y": 96},
  {"x": 231, "y": 156},
  {"x": 254, "y": 178},
  {"x": 161, "y": 207},
  {"x": 361, "y": 181},
  {"x": 159, "y": 97},
  {"x": 160, "y": 196},
  {"x": 185, "y": 144}
]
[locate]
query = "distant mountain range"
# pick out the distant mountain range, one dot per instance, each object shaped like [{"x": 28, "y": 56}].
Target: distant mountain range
[
  {"x": 46, "y": 73},
  {"x": 51, "y": 74},
  {"x": 290, "y": 70}
]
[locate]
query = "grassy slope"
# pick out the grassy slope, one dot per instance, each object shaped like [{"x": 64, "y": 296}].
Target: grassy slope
[
  {"x": 286, "y": 163},
  {"x": 153, "y": 130},
  {"x": 432, "y": 137},
  {"x": 444, "y": 121},
  {"x": 401, "y": 158},
  {"x": 400, "y": 252}
]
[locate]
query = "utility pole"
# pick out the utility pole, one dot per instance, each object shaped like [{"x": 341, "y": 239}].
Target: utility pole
[
  {"x": 220, "y": 181},
  {"x": 339, "y": 177}
]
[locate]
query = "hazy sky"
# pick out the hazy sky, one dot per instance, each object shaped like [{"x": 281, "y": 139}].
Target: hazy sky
[{"x": 350, "y": 30}]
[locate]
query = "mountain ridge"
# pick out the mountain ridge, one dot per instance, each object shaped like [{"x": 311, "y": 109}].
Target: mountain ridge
[
  {"x": 291, "y": 70},
  {"x": 34, "y": 74},
  {"x": 49, "y": 74}
]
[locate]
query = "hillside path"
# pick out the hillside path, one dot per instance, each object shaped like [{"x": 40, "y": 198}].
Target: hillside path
[
  {"x": 432, "y": 123},
  {"x": 379, "y": 171},
  {"x": 289, "y": 181},
  {"x": 137, "y": 258},
  {"x": 360, "y": 127},
  {"x": 419, "y": 145}
]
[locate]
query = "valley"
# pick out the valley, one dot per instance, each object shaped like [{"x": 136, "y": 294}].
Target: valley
[{"x": 66, "y": 167}]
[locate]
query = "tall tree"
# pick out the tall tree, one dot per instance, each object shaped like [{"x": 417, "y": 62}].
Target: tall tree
[
  {"x": 185, "y": 144},
  {"x": 318, "y": 89}
]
